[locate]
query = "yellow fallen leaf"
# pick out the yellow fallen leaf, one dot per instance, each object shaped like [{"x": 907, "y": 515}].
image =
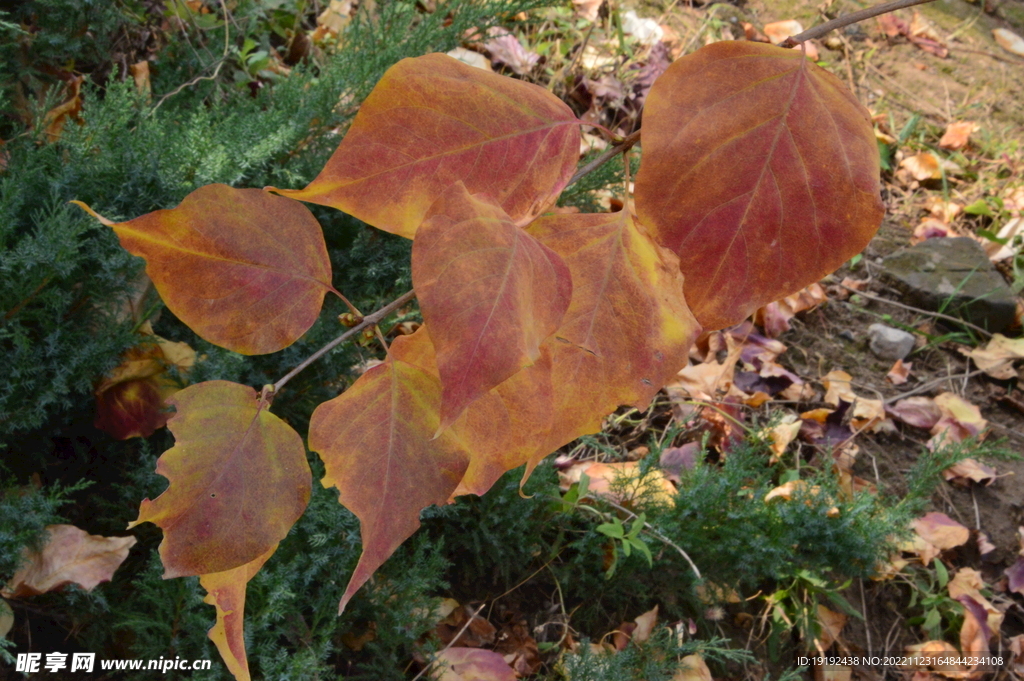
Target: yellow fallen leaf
[{"x": 997, "y": 357}]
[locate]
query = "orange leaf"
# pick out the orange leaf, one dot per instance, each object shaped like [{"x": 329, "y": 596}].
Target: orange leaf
[
  {"x": 244, "y": 269},
  {"x": 502, "y": 429},
  {"x": 377, "y": 443},
  {"x": 130, "y": 399},
  {"x": 238, "y": 481},
  {"x": 760, "y": 170},
  {"x": 941, "y": 531},
  {"x": 226, "y": 592},
  {"x": 433, "y": 121},
  {"x": 490, "y": 295},
  {"x": 628, "y": 329},
  {"x": 70, "y": 556},
  {"x": 473, "y": 664}
]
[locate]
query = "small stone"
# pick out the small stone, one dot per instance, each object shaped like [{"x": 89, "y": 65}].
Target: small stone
[
  {"x": 888, "y": 343},
  {"x": 953, "y": 276}
]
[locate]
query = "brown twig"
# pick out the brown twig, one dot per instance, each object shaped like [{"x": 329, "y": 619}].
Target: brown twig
[
  {"x": 606, "y": 156},
  {"x": 851, "y": 18},
  {"x": 369, "y": 320},
  {"x": 925, "y": 387},
  {"x": 465, "y": 626},
  {"x": 937, "y": 315}
]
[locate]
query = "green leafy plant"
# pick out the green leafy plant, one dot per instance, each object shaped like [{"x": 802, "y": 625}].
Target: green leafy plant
[
  {"x": 940, "y": 614},
  {"x": 536, "y": 325}
]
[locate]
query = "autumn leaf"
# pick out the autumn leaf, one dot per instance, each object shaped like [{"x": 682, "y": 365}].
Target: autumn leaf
[
  {"x": 226, "y": 592},
  {"x": 472, "y": 664},
  {"x": 238, "y": 481},
  {"x": 941, "y": 531},
  {"x": 70, "y": 556},
  {"x": 377, "y": 443},
  {"x": 502, "y": 429},
  {"x": 490, "y": 295},
  {"x": 130, "y": 399},
  {"x": 244, "y": 269},
  {"x": 959, "y": 420},
  {"x": 957, "y": 134},
  {"x": 997, "y": 357},
  {"x": 433, "y": 121},
  {"x": 628, "y": 329},
  {"x": 786, "y": 164}
]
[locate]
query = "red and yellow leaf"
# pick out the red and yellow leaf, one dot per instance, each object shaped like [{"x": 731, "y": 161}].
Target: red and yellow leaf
[
  {"x": 226, "y": 592},
  {"x": 243, "y": 268},
  {"x": 490, "y": 294},
  {"x": 504, "y": 428},
  {"x": 433, "y": 121},
  {"x": 130, "y": 399},
  {"x": 760, "y": 171},
  {"x": 377, "y": 443},
  {"x": 628, "y": 329},
  {"x": 238, "y": 481}
]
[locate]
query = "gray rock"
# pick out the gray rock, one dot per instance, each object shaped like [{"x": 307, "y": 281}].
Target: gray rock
[
  {"x": 889, "y": 343},
  {"x": 953, "y": 276}
]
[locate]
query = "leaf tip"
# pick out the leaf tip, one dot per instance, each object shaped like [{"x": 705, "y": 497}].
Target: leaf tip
[{"x": 84, "y": 206}]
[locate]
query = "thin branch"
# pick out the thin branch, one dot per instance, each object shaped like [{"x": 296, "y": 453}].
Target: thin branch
[
  {"x": 450, "y": 643},
  {"x": 216, "y": 71},
  {"x": 937, "y": 315},
  {"x": 925, "y": 387},
  {"x": 369, "y": 320},
  {"x": 608, "y": 155},
  {"x": 851, "y": 18},
  {"x": 657, "y": 535}
]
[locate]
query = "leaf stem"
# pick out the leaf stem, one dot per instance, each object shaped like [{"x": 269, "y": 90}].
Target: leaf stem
[
  {"x": 369, "y": 320},
  {"x": 606, "y": 156},
  {"x": 851, "y": 18}
]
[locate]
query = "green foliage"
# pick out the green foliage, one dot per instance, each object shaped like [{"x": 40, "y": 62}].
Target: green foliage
[
  {"x": 657, "y": 660},
  {"x": 24, "y": 513}
]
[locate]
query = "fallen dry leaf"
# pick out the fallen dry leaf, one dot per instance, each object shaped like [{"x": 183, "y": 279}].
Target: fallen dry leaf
[
  {"x": 958, "y": 134},
  {"x": 922, "y": 656},
  {"x": 587, "y": 9},
  {"x": 867, "y": 414},
  {"x": 1009, "y": 41},
  {"x": 967, "y": 583},
  {"x": 470, "y": 57},
  {"x": 920, "y": 412},
  {"x": 899, "y": 372},
  {"x": 790, "y": 489},
  {"x": 506, "y": 49},
  {"x": 70, "y": 556},
  {"x": 783, "y": 434},
  {"x": 472, "y": 664},
  {"x": 692, "y": 668},
  {"x": 645, "y": 624},
  {"x": 774, "y": 317},
  {"x": 922, "y": 166},
  {"x": 962, "y": 472},
  {"x": 1015, "y": 576},
  {"x": 479, "y": 633},
  {"x": 924, "y": 35},
  {"x": 930, "y": 228},
  {"x": 960, "y": 420},
  {"x": 778, "y": 31},
  {"x": 71, "y": 107},
  {"x": 832, "y": 624},
  {"x": 941, "y": 531},
  {"x": 675, "y": 460},
  {"x": 624, "y": 478},
  {"x": 997, "y": 357},
  {"x": 332, "y": 21}
]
